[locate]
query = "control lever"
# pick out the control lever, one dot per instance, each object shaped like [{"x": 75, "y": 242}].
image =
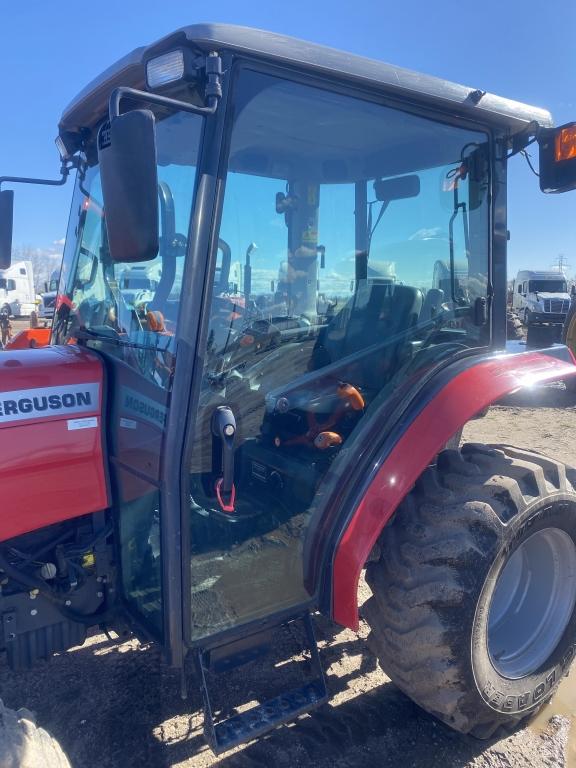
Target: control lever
[
  {"x": 480, "y": 311},
  {"x": 224, "y": 428}
]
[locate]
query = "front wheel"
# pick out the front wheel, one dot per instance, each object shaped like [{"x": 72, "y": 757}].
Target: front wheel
[
  {"x": 22, "y": 743},
  {"x": 473, "y": 613}
]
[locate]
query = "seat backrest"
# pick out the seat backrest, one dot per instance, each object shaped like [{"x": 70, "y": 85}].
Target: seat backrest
[
  {"x": 390, "y": 310},
  {"x": 431, "y": 306},
  {"x": 379, "y": 311}
]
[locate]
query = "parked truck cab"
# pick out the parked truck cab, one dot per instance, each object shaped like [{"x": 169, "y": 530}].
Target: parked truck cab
[
  {"x": 541, "y": 297},
  {"x": 17, "y": 294},
  {"x": 48, "y": 296}
]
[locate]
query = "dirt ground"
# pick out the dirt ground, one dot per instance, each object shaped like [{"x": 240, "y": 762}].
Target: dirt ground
[{"x": 115, "y": 705}]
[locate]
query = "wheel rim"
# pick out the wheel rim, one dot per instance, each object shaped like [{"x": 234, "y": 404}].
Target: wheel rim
[{"x": 532, "y": 603}]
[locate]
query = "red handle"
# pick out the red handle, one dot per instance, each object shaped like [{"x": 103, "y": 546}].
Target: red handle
[{"x": 223, "y": 506}]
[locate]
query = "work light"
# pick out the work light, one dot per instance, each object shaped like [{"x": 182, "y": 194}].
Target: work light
[{"x": 168, "y": 68}]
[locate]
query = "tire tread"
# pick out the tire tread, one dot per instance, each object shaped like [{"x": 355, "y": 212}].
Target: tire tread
[{"x": 425, "y": 582}]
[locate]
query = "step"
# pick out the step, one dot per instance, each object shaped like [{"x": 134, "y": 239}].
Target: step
[{"x": 270, "y": 714}]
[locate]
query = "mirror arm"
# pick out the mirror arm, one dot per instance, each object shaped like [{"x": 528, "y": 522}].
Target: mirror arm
[
  {"x": 520, "y": 140},
  {"x": 123, "y": 92},
  {"x": 64, "y": 170}
]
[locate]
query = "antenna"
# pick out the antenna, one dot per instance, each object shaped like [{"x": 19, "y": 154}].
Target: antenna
[{"x": 560, "y": 263}]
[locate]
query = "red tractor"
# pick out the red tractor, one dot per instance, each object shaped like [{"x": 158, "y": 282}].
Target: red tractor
[{"x": 224, "y": 447}]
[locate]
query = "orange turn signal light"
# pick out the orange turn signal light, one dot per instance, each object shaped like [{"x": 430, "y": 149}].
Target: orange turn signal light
[{"x": 565, "y": 144}]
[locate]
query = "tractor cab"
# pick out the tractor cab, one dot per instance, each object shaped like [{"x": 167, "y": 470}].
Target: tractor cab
[
  {"x": 313, "y": 237},
  {"x": 250, "y": 372}
]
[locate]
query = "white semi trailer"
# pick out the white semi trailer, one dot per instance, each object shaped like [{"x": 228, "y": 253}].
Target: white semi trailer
[{"x": 17, "y": 294}]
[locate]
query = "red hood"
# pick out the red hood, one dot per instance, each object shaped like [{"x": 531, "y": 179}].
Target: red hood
[
  {"x": 52, "y": 464},
  {"x": 60, "y": 381}
]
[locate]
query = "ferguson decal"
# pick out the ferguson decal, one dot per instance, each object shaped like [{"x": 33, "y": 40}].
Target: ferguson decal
[{"x": 25, "y": 404}]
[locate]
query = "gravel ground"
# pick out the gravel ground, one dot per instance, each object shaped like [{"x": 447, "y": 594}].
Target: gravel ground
[{"x": 113, "y": 704}]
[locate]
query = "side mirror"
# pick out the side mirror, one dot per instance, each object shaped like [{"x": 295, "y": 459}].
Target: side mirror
[
  {"x": 127, "y": 155},
  {"x": 6, "y": 219},
  {"x": 558, "y": 158}
]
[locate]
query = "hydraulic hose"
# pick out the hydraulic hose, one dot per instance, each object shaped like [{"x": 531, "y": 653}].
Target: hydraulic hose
[{"x": 32, "y": 582}]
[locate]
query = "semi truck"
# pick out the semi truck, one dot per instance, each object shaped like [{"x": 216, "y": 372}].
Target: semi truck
[
  {"x": 48, "y": 296},
  {"x": 17, "y": 294},
  {"x": 541, "y": 297}
]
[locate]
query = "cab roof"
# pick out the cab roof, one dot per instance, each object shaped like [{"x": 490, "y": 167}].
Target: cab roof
[{"x": 91, "y": 104}]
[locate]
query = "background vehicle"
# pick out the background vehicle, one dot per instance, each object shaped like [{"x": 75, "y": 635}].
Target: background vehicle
[
  {"x": 541, "y": 297},
  {"x": 137, "y": 285},
  {"x": 17, "y": 293},
  {"x": 48, "y": 298},
  {"x": 244, "y": 448}
]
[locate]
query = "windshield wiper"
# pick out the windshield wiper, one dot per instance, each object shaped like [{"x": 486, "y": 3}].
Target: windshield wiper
[{"x": 109, "y": 334}]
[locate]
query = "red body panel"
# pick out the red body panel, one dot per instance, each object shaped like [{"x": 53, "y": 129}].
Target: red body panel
[
  {"x": 30, "y": 338},
  {"x": 466, "y": 395},
  {"x": 51, "y": 455}
]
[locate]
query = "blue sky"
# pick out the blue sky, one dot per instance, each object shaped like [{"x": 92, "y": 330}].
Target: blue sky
[{"x": 50, "y": 51}]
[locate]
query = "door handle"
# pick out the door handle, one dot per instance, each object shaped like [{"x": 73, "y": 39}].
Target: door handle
[{"x": 224, "y": 428}]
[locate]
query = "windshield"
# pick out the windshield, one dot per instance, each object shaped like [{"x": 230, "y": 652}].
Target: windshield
[
  {"x": 95, "y": 303},
  {"x": 547, "y": 286}
]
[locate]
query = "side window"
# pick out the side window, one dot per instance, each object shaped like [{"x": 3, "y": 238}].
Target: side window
[
  {"x": 520, "y": 288},
  {"x": 424, "y": 241}
]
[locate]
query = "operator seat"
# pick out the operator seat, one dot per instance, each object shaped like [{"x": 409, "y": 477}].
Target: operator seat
[
  {"x": 432, "y": 304},
  {"x": 390, "y": 310},
  {"x": 389, "y": 314}
]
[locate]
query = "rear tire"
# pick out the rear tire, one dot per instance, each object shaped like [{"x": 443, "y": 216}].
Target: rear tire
[
  {"x": 568, "y": 333},
  {"x": 473, "y": 610},
  {"x": 569, "y": 338},
  {"x": 22, "y": 743}
]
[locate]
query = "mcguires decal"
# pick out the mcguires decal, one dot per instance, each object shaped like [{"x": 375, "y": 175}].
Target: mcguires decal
[{"x": 26, "y": 404}]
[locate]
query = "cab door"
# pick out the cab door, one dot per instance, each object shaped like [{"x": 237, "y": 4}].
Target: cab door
[{"x": 336, "y": 211}]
